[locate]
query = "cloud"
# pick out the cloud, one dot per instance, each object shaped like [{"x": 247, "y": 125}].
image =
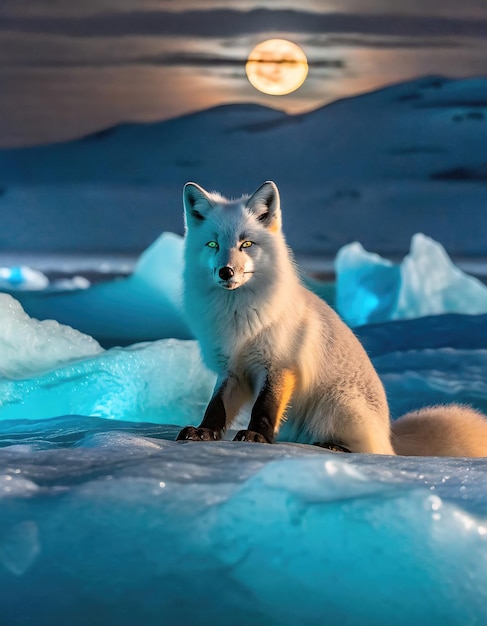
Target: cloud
[
  {"x": 379, "y": 42},
  {"x": 229, "y": 22},
  {"x": 177, "y": 59}
]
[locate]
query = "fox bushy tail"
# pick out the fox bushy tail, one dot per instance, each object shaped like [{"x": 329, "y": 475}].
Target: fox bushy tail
[{"x": 451, "y": 430}]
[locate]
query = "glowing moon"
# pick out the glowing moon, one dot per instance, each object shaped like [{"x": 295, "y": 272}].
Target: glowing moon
[{"x": 277, "y": 67}]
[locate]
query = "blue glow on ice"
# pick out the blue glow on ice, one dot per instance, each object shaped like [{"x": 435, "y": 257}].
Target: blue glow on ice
[
  {"x": 142, "y": 307},
  {"x": 371, "y": 289},
  {"x": 112, "y": 522},
  {"x": 107, "y": 520}
]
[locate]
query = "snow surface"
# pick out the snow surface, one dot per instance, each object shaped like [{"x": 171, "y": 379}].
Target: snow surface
[
  {"x": 376, "y": 168},
  {"x": 115, "y": 523}
]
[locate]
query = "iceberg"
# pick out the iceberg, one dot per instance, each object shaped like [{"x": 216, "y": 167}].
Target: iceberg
[
  {"x": 145, "y": 306},
  {"x": 22, "y": 277},
  {"x": 372, "y": 289},
  {"x": 367, "y": 286},
  {"x": 49, "y": 369}
]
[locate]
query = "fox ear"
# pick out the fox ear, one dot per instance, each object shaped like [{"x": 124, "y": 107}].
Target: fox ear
[
  {"x": 266, "y": 205},
  {"x": 197, "y": 203}
]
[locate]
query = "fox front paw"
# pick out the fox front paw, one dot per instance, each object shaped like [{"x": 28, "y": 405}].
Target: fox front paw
[
  {"x": 190, "y": 433},
  {"x": 334, "y": 447},
  {"x": 250, "y": 435}
]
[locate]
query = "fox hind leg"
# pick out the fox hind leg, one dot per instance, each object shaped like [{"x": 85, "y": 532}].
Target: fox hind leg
[{"x": 368, "y": 432}]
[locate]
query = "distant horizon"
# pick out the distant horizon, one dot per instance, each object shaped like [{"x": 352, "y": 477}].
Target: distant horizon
[
  {"x": 257, "y": 103},
  {"x": 261, "y": 100},
  {"x": 71, "y": 69}
]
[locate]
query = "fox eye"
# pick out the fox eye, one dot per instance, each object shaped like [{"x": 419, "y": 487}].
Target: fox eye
[
  {"x": 247, "y": 244},
  {"x": 212, "y": 244}
]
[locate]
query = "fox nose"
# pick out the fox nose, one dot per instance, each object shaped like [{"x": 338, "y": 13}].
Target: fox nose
[{"x": 225, "y": 273}]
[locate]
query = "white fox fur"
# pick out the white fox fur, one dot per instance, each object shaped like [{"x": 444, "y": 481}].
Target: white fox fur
[{"x": 279, "y": 348}]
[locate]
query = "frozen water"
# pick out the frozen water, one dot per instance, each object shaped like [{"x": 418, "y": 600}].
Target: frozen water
[
  {"x": 142, "y": 307},
  {"x": 147, "y": 305},
  {"x": 367, "y": 285},
  {"x": 161, "y": 266},
  {"x": 432, "y": 284},
  {"x": 424, "y": 361},
  {"x": 163, "y": 381},
  {"x": 110, "y": 521},
  {"x": 76, "y": 282},
  {"x": 23, "y": 278},
  {"x": 115, "y": 523},
  {"x": 28, "y": 347},
  {"x": 371, "y": 289}
]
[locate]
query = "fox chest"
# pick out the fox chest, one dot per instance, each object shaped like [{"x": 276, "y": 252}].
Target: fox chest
[
  {"x": 240, "y": 338},
  {"x": 241, "y": 353}
]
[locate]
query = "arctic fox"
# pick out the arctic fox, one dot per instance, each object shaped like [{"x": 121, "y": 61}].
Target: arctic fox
[{"x": 279, "y": 349}]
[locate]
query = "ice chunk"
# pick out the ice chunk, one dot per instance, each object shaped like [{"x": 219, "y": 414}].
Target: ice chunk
[
  {"x": 145, "y": 306},
  {"x": 164, "y": 382},
  {"x": 28, "y": 347},
  {"x": 424, "y": 361},
  {"x": 432, "y": 284},
  {"x": 22, "y": 278},
  {"x": 76, "y": 282},
  {"x": 161, "y": 267},
  {"x": 367, "y": 286},
  {"x": 143, "y": 528},
  {"x": 371, "y": 289}
]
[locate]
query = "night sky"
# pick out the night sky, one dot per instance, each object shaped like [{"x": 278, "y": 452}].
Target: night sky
[{"x": 68, "y": 68}]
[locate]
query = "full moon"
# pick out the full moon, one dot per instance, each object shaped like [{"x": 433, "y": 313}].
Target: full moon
[{"x": 277, "y": 67}]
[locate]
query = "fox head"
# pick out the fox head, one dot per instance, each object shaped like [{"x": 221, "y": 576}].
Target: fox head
[{"x": 231, "y": 241}]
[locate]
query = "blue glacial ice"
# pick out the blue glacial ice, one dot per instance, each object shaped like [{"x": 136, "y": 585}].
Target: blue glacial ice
[
  {"x": 107, "y": 520},
  {"x": 51, "y": 370},
  {"x": 372, "y": 289},
  {"x": 146, "y": 306},
  {"x": 23, "y": 278},
  {"x": 28, "y": 346}
]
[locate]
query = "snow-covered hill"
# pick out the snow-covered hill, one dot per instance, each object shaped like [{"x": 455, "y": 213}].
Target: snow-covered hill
[{"x": 375, "y": 168}]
